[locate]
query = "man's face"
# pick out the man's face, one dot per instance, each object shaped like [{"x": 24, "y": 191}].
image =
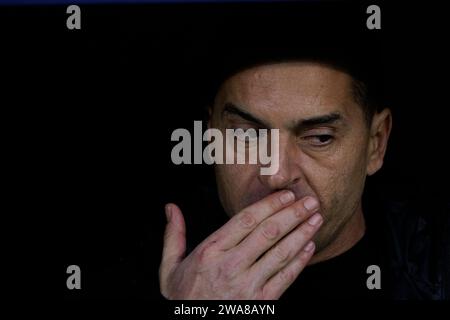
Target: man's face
[{"x": 323, "y": 139}]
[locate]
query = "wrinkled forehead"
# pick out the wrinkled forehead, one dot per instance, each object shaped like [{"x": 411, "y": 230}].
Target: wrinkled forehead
[{"x": 290, "y": 87}]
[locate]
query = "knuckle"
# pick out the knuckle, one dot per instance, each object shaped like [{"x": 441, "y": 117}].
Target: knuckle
[
  {"x": 309, "y": 230},
  {"x": 280, "y": 253},
  {"x": 247, "y": 220},
  {"x": 300, "y": 211},
  {"x": 275, "y": 203},
  {"x": 270, "y": 230},
  {"x": 286, "y": 275},
  {"x": 205, "y": 252}
]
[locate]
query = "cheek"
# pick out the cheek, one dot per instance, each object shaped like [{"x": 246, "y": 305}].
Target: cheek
[
  {"x": 338, "y": 181},
  {"x": 235, "y": 183}
]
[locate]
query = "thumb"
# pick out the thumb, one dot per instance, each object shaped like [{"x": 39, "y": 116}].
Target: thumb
[{"x": 174, "y": 241}]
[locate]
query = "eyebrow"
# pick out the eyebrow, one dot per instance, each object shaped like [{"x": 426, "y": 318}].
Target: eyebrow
[
  {"x": 232, "y": 109},
  {"x": 319, "y": 120},
  {"x": 299, "y": 125}
]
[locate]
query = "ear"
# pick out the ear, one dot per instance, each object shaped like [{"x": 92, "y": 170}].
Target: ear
[{"x": 379, "y": 135}]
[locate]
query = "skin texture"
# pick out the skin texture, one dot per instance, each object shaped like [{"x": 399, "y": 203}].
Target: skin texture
[{"x": 325, "y": 161}]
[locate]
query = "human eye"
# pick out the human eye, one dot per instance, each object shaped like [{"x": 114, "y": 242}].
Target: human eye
[{"x": 319, "y": 139}]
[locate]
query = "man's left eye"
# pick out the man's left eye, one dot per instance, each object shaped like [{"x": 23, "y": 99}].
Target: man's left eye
[{"x": 320, "y": 140}]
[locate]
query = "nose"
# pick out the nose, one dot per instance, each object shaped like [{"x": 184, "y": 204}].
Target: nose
[{"x": 289, "y": 172}]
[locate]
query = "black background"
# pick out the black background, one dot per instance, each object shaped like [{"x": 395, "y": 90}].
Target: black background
[{"x": 96, "y": 108}]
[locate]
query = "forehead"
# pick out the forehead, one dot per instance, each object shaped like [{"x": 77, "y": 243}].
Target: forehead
[{"x": 305, "y": 88}]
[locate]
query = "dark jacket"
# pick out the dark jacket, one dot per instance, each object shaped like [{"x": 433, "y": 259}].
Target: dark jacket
[
  {"x": 410, "y": 232},
  {"x": 415, "y": 229}
]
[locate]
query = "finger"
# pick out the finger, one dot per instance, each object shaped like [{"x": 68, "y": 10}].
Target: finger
[
  {"x": 174, "y": 241},
  {"x": 238, "y": 227},
  {"x": 284, "y": 251},
  {"x": 273, "y": 229},
  {"x": 278, "y": 284}
]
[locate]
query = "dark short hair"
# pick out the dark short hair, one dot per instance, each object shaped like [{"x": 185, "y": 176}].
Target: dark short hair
[
  {"x": 330, "y": 33},
  {"x": 363, "y": 89},
  {"x": 362, "y": 98}
]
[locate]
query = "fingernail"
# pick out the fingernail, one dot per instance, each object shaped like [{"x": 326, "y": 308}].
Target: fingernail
[
  {"x": 168, "y": 210},
  {"x": 309, "y": 247},
  {"x": 315, "y": 219},
  {"x": 311, "y": 204},
  {"x": 287, "y": 197}
]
